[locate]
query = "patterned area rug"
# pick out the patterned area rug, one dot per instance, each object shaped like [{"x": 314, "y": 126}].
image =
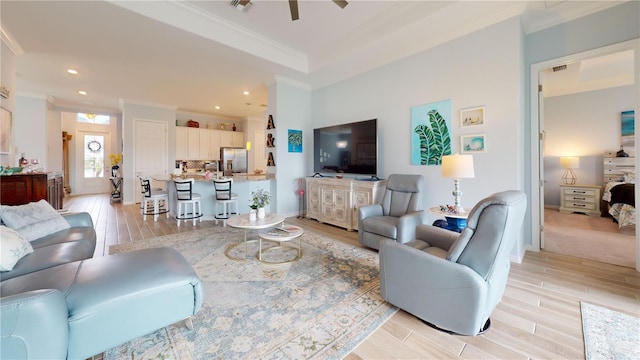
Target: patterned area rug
[
  {"x": 609, "y": 334},
  {"x": 321, "y": 306}
]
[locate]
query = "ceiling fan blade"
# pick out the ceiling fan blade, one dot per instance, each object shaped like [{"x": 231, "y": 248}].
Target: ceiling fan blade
[
  {"x": 293, "y": 6},
  {"x": 244, "y": 2},
  {"x": 341, "y": 3}
]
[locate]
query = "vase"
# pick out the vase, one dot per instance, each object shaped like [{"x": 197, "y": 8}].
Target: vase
[
  {"x": 114, "y": 170},
  {"x": 252, "y": 215},
  {"x": 261, "y": 213}
]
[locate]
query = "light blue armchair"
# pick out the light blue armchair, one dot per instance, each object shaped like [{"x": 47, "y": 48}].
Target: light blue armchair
[
  {"x": 454, "y": 281},
  {"x": 397, "y": 216}
]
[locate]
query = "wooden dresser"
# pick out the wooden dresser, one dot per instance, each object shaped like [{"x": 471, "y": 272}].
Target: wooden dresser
[{"x": 19, "y": 189}]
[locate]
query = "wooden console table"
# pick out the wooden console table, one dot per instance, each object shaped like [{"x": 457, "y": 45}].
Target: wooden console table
[{"x": 20, "y": 189}]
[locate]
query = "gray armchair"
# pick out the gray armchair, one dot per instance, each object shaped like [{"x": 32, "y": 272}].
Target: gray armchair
[
  {"x": 397, "y": 216},
  {"x": 454, "y": 281}
]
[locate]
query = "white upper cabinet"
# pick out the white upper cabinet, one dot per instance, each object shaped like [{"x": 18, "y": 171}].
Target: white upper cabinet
[
  {"x": 214, "y": 144},
  {"x": 204, "y": 153},
  {"x": 226, "y": 139},
  {"x": 237, "y": 139},
  {"x": 204, "y": 144},
  {"x": 193, "y": 145},
  {"x": 181, "y": 143}
]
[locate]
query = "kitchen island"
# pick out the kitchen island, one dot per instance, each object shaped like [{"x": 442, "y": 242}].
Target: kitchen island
[{"x": 242, "y": 185}]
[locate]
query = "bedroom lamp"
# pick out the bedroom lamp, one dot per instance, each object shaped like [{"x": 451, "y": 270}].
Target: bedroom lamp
[
  {"x": 457, "y": 166},
  {"x": 568, "y": 163}
]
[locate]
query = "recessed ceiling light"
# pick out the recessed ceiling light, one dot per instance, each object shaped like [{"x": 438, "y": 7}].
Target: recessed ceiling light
[
  {"x": 245, "y": 92},
  {"x": 72, "y": 71},
  {"x": 82, "y": 92},
  {"x": 217, "y": 107}
]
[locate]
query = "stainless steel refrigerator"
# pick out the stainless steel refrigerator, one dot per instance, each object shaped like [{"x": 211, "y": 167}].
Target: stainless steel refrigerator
[{"x": 233, "y": 160}]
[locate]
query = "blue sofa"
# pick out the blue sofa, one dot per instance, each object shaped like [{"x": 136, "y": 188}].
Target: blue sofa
[{"x": 59, "y": 303}]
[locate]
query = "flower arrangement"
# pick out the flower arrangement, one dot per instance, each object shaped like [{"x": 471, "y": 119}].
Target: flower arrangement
[
  {"x": 115, "y": 159},
  {"x": 259, "y": 199}
]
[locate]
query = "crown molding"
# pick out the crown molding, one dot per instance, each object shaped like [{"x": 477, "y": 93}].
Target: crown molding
[
  {"x": 185, "y": 16},
  {"x": 567, "y": 11},
  {"x": 11, "y": 43},
  {"x": 32, "y": 95},
  {"x": 123, "y": 102},
  {"x": 279, "y": 79}
]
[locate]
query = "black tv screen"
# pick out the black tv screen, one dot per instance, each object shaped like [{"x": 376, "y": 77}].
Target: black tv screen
[{"x": 348, "y": 148}]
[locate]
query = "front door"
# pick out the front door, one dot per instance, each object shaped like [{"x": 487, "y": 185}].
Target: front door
[{"x": 92, "y": 151}]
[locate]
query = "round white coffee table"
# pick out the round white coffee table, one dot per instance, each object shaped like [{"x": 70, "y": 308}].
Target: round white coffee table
[
  {"x": 242, "y": 222},
  {"x": 280, "y": 234}
]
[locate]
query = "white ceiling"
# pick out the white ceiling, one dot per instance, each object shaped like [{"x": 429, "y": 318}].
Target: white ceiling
[{"x": 193, "y": 55}]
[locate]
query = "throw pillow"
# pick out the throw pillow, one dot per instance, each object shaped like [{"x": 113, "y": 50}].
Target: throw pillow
[
  {"x": 33, "y": 220},
  {"x": 13, "y": 247}
]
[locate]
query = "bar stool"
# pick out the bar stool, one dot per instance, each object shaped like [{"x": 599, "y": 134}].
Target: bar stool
[
  {"x": 141, "y": 176},
  {"x": 185, "y": 197},
  {"x": 153, "y": 202},
  {"x": 224, "y": 199}
]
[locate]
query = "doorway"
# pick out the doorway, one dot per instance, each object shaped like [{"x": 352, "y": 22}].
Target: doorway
[
  {"x": 539, "y": 134},
  {"x": 93, "y": 169},
  {"x": 150, "y": 152}
]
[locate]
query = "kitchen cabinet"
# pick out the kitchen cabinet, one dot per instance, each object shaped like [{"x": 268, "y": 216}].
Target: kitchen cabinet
[
  {"x": 237, "y": 139},
  {"x": 181, "y": 143},
  {"x": 193, "y": 144},
  {"x": 226, "y": 139},
  {"x": 204, "y": 151},
  {"x": 204, "y": 144}
]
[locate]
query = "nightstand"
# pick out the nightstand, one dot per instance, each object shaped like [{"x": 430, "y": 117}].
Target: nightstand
[{"x": 580, "y": 198}]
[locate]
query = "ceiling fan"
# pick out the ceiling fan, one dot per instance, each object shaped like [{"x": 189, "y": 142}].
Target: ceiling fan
[{"x": 293, "y": 6}]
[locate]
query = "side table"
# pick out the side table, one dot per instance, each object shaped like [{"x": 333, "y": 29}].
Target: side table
[
  {"x": 454, "y": 222},
  {"x": 242, "y": 222},
  {"x": 280, "y": 234}
]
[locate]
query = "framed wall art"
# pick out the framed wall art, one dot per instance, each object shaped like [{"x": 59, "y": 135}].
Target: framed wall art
[
  {"x": 294, "y": 139},
  {"x": 473, "y": 144},
  {"x": 472, "y": 116},
  {"x": 430, "y": 133},
  {"x": 5, "y": 131},
  {"x": 627, "y": 128}
]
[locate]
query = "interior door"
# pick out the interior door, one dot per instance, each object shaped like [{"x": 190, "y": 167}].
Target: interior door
[
  {"x": 92, "y": 151},
  {"x": 541, "y": 160},
  {"x": 150, "y": 149}
]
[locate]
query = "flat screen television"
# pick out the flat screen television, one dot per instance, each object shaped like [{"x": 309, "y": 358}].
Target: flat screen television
[{"x": 347, "y": 148}]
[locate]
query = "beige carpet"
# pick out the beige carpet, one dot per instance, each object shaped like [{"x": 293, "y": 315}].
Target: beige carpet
[
  {"x": 320, "y": 307},
  {"x": 609, "y": 334},
  {"x": 589, "y": 237}
]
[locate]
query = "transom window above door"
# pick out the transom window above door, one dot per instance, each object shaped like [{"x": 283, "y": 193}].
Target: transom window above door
[{"x": 93, "y": 118}]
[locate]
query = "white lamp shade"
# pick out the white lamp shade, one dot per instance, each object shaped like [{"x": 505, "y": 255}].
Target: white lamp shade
[
  {"x": 570, "y": 162},
  {"x": 457, "y": 166}
]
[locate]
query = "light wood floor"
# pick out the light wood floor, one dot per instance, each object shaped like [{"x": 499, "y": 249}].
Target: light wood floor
[{"x": 539, "y": 316}]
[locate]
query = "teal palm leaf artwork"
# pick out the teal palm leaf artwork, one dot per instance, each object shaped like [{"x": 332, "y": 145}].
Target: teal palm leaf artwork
[
  {"x": 295, "y": 140},
  {"x": 433, "y": 139}
]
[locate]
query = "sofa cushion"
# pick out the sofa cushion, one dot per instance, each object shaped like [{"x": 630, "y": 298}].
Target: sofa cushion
[
  {"x": 13, "y": 247},
  {"x": 33, "y": 220},
  {"x": 59, "y": 248}
]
